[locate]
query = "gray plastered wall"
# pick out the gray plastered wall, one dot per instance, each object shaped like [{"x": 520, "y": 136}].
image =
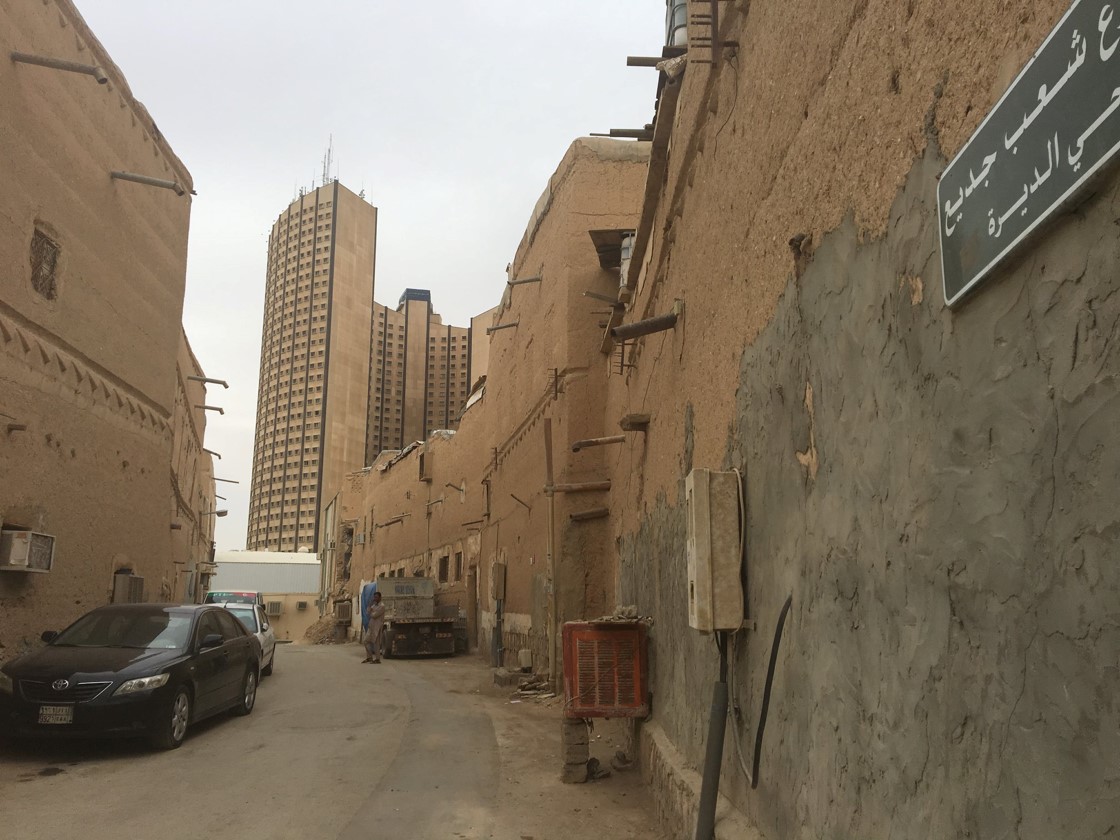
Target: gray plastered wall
[{"x": 936, "y": 489}]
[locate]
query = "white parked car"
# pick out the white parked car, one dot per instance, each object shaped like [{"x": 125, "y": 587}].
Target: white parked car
[{"x": 256, "y": 622}]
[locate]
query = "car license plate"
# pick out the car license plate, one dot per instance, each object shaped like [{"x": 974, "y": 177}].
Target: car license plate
[{"x": 56, "y": 714}]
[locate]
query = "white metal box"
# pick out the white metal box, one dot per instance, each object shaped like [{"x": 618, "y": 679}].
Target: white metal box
[
  {"x": 26, "y": 551},
  {"x": 714, "y": 555}
]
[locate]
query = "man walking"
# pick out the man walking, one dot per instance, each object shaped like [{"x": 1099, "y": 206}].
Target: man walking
[{"x": 376, "y": 615}]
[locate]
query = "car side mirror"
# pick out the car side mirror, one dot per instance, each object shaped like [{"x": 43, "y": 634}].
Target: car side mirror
[
  {"x": 211, "y": 640},
  {"x": 49, "y": 635}
]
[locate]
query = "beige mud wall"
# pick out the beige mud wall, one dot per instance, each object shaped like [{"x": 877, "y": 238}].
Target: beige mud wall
[
  {"x": 933, "y": 488},
  {"x": 541, "y": 369},
  {"x": 88, "y": 372},
  {"x": 192, "y": 482},
  {"x": 393, "y": 523}
]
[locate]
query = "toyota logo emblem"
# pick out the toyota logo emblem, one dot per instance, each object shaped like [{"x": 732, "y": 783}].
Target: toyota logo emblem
[{"x": 60, "y": 685}]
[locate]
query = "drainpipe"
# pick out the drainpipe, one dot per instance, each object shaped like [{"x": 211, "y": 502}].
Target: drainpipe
[
  {"x": 625, "y": 332},
  {"x": 602, "y": 441},
  {"x": 713, "y": 758},
  {"x": 550, "y": 494}
]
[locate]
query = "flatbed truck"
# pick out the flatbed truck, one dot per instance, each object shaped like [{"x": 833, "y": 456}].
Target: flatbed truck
[{"x": 414, "y": 625}]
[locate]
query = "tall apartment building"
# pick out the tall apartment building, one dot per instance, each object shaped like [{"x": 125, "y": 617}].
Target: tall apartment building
[
  {"x": 313, "y": 397},
  {"x": 420, "y": 373}
]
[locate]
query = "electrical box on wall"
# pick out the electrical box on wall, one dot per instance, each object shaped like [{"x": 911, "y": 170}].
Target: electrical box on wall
[
  {"x": 714, "y": 554},
  {"x": 498, "y": 581}
]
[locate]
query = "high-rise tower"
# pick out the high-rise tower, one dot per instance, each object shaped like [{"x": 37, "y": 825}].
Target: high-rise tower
[
  {"x": 420, "y": 373},
  {"x": 313, "y": 397}
]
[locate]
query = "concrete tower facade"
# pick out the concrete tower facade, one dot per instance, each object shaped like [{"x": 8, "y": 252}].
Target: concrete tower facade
[
  {"x": 420, "y": 373},
  {"x": 315, "y": 354}
]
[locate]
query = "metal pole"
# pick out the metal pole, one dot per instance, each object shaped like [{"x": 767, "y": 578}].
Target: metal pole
[
  {"x": 549, "y": 492},
  {"x": 221, "y": 382},
  {"x": 605, "y": 298},
  {"x": 62, "y": 64},
  {"x": 582, "y": 487},
  {"x": 626, "y": 133},
  {"x": 593, "y": 513},
  {"x": 148, "y": 181},
  {"x": 521, "y": 282},
  {"x": 713, "y": 758},
  {"x": 603, "y": 441},
  {"x": 640, "y": 328},
  {"x": 490, "y": 330}
]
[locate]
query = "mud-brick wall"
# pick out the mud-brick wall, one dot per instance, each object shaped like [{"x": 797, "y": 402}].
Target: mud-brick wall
[
  {"x": 88, "y": 346},
  {"x": 933, "y": 488},
  {"x": 948, "y": 537}
]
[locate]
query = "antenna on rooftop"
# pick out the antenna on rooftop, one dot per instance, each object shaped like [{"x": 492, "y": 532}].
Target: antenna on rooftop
[{"x": 327, "y": 161}]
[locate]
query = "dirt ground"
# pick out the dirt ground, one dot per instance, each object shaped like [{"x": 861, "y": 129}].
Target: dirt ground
[{"x": 421, "y": 748}]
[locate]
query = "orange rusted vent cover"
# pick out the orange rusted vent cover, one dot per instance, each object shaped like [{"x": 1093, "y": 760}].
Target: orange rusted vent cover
[{"x": 605, "y": 669}]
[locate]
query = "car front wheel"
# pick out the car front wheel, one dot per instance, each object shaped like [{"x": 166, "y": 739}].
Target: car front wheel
[
  {"x": 248, "y": 694},
  {"x": 171, "y": 725}
]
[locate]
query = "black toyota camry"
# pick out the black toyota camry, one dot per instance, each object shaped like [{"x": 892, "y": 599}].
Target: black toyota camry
[{"x": 132, "y": 669}]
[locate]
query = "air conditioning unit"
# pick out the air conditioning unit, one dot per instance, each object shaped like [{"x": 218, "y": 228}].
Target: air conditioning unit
[
  {"x": 274, "y": 608},
  {"x": 360, "y": 538},
  {"x": 626, "y": 250},
  {"x": 127, "y": 588},
  {"x": 26, "y": 551},
  {"x": 605, "y": 669},
  {"x": 301, "y": 605},
  {"x": 343, "y": 611}
]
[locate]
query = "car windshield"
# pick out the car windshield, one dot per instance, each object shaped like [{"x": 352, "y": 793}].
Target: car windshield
[
  {"x": 140, "y": 630},
  {"x": 246, "y": 616}
]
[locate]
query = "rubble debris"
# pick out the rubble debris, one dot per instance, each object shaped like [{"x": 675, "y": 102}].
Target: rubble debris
[
  {"x": 323, "y": 632},
  {"x": 625, "y": 613},
  {"x": 595, "y": 770},
  {"x": 537, "y": 682},
  {"x": 622, "y": 762}
]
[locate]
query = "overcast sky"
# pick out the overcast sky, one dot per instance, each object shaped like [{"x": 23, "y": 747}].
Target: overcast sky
[{"x": 451, "y": 115}]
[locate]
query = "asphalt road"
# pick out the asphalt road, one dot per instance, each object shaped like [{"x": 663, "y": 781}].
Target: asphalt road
[{"x": 408, "y": 749}]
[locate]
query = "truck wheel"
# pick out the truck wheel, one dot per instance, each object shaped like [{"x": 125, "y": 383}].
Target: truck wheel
[{"x": 385, "y": 643}]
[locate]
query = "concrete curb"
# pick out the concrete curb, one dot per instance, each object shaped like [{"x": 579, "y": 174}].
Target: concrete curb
[{"x": 676, "y": 791}]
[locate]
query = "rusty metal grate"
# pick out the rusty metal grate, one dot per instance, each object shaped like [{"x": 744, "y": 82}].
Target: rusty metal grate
[
  {"x": 605, "y": 669},
  {"x": 44, "y": 264}
]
